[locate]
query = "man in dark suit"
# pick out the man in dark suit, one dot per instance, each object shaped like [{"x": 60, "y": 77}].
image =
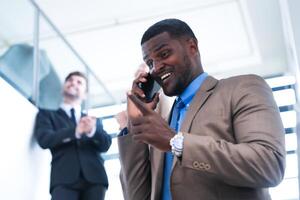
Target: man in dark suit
[
  {"x": 224, "y": 139},
  {"x": 75, "y": 141}
]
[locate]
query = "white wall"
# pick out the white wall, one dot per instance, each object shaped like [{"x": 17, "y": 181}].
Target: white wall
[{"x": 25, "y": 167}]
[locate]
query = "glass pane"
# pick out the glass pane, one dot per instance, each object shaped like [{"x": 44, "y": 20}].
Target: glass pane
[
  {"x": 285, "y": 97},
  {"x": 98, "y": 97},
  {"x": 16, "y": 50},
  {"x": 291, "y": 170},
  {"x": 57, "y": 60},
  {"x": 113, "y": 150},
  {"x": 111, "y": 125},
  {"x": 288, "y": 119},
  {"x": 281, "y": 81},
  {"x": 291, "y": 142},
  {"x": 288, "y": 188},
  {"x": 107, "y": 110},
  {"x": 113, "y": 170}
]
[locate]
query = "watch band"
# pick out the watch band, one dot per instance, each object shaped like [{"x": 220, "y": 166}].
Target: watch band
[{"x": 177, "y": 144}]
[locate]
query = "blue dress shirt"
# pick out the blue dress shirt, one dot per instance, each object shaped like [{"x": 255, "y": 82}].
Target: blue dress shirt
[{"x": 186, "y": 97}]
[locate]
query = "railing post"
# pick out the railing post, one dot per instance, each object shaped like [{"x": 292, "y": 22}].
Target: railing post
[{"x": 36, "y": 58}]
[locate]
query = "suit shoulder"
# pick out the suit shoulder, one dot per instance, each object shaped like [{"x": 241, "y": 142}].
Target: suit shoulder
[
  {"x": 249, "y": 79},
  {"x": 243, "y": 84},
  {"x": 243, "y": 78},
  {"x": 46, "y": 112}
]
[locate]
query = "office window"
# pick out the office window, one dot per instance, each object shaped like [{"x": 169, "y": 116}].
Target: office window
[{"x": 285, "y": 95}]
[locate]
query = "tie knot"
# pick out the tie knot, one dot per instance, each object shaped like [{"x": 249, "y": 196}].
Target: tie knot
[{"x": 72, "y": 111}]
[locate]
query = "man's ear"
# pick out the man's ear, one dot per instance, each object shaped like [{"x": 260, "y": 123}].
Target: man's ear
[{"x": 192, "y": 44}]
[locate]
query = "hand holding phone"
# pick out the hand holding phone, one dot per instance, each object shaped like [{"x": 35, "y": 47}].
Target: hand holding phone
[{"x": 150, "y": 88}]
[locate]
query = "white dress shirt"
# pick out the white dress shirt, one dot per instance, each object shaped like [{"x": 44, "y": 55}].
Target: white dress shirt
[{"x": 67, "y": 108}]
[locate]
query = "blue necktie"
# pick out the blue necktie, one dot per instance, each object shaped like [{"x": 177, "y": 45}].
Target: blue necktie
[
  {"x": 73, "y": 118},
  {"x": 166, "y": 192}
]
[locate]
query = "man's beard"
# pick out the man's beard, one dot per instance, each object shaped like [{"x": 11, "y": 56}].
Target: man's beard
[{"x": 70, "y": 95}]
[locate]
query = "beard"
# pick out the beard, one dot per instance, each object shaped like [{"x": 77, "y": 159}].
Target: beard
[
  {"x": 181, "y": 81},
  {"x": 71, "y": 95}
]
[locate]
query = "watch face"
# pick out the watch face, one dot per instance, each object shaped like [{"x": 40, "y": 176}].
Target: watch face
[{"x": 178, "y": 142}]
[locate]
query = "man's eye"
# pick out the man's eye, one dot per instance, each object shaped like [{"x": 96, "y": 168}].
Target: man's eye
[{"x": 164, "y": 54}]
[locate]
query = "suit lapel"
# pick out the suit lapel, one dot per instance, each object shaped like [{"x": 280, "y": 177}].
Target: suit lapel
[
  {"x": 198, "y": 101},
  {"x": 64, "y": 115}
]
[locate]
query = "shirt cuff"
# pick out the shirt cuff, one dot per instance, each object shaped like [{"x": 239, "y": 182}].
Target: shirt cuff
[{"x": 77, "y": 135}]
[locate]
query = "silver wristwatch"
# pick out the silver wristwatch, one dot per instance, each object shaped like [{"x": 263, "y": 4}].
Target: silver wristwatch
[{"x": 177, "y": 144}]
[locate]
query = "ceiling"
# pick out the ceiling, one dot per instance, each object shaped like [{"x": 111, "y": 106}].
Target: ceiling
[{"x": 235, "y": 36}]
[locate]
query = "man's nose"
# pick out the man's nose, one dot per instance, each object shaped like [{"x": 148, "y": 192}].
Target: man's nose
[
  {"x": 73, "y": 82},
  {"x": 157, "y": 66}
]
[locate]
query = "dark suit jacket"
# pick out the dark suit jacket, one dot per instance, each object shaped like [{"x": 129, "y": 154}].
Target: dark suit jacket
[
  {"x": 233, "y": 147},
  {"x": 55, "y": 130}
]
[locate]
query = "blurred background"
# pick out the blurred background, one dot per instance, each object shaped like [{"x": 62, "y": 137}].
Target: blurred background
[{"x": 42, "y": 41}]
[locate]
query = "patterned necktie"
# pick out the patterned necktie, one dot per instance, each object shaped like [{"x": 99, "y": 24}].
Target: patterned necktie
[
  {"x": 73, "y": 118},
  {"x": 166, "y": 192}
]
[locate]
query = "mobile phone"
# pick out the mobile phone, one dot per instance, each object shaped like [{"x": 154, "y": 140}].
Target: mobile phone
[{"x": 150, "y": 88}]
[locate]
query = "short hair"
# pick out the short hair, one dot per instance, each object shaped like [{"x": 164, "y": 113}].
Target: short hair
[
  {"x": 175, "y": 27},
  {"x": 77, "y": 73}
]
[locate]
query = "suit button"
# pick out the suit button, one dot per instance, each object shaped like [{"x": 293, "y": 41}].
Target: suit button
[
  {"x": 196, "y": 164},
  {"x": 202, "y": 165},
  {"x": 207, "y": 167}
]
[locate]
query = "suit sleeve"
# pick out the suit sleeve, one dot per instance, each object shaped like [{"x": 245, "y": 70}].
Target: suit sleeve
[
  {"x": 46, "y": 134},
  {"x": 257, "y": 158},
  {"x": 101, "y": 140},
  {"x": 135, "y": 172}
]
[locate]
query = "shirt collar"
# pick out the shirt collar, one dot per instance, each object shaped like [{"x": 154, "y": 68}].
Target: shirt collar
[
  {"x": 67, "y": 109},
  {"x": 192, "y": 88}
]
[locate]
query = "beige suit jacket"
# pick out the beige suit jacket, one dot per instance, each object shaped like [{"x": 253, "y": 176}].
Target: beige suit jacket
[{"x": 233, "y": 147}]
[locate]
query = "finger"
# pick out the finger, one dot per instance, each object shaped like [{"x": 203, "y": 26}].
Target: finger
[
  {"x": 156, "y": 98},
  {"x": 142, "y": 77},
  {"x": 155, "y": 101},
  {"x": 139, "y": 104},
  {"x": 141, "y": 120},
  {"x": 136, "y": 130},
  {"x": 84, "y": 121},
  {"x": 144, "y": 129},
  {"x": 138, "y": 91},
  {"x": 136, "y": 86},
  {"x": 140, "y": 138},
  {"x": 92, "y": 118}
]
